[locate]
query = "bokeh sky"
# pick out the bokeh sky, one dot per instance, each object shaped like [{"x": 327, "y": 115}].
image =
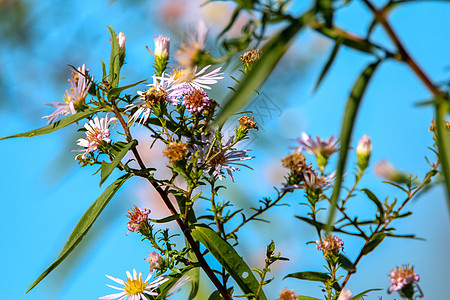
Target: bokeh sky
[{"x": 44, "y": 193}]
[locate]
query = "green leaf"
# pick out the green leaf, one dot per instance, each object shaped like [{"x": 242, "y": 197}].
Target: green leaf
[
  {"x": 375, "y": 200},
  {"x": 347, "y": 39},
  {"x": 363, "y": 294},
  {"x": 328, "y": 64},
  {"x": 83, "y": 226},
  {"x": 59, "y": 124},
  {"x": 346, "y": 264},
  {"x": 120, "y": 150},
  {"x": 348, "y": 122},
  {"x": 313, "y": 276},
  {"x": 229, "y": 259},
  {"x": 114, "y": 62},
  {"x": 374, "y": 242},
  {"x": 114, "y": 92},
  {"x": 324, "y": 226},
  {"x": 443, "y": 142},
  {"x": 166, "y": 219},
  {"x": 272, "y": 52}
]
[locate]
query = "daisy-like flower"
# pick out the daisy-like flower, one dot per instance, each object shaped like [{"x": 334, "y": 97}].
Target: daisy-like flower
[
  {"x": 330, "y": 245},
  {"x": 311, "y": 180},
  {"x": 192, "y": 47},
  {"x": 159, "y": 92},
  {"x": 402, "y": 278},
  {"x": 74, "y": 97},
  {"x": 97, "y": 133},
  {"x": 188, "y": 78},
  {"x": 135, "y": 288},
  {"x": 318, "y": 146},
  {"x": 217, "y": 158},
  {"x": 137, "y": 216}
]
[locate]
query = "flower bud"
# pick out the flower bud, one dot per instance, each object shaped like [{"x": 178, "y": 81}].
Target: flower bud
[
  {"x": 363, "y": 152},
  {"x": 403, "y": 278},
  {"x": 387, "y": 171},
  {"x": 121, "y": 38},
  {"x": 155, "y": 260},
  {"x": 162, "y": 48}
]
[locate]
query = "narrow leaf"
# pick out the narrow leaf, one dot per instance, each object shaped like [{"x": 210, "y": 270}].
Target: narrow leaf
[
  {"x": 166, "y": 219},
  {"x": 59, "y": 124},
  {"x": 324, "y": 226},
  {"x": 443, "y": 142},
  {"x": 175, "y": 276},
  {"x": 272, "y": 52},
  {"x": 348, "y": 122},
  {"x": 328, "y": 64},
  {"x": 346, "y": 264},
  {"x": 313, "y": 276},
  {"x": 375, "y": 200},
  {"x": 114, "y": 63},
  {"x": 114, "y": 92},
  {"x": 374, "y": 242},
  {"x": 229, "y": 259},
  {"x": 121, "y": 150},
  {"x": 363, "y": 294},
  {"x": 83, "y": 226}
]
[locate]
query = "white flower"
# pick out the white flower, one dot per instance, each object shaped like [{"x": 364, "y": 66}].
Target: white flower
[
  {"x": 186, "y": 79},
  {"x": 135, "y": 288},
  {"x": 160, "y": 90},
  {"x": 345, "y": 295},
  {"x": 80, "y": 85},
  {"x": 97, "y": 132}
]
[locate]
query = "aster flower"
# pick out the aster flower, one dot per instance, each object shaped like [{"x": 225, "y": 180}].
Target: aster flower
[
  {"x": 386, "y": 170},
  {"x": 159, "y": 92},
  {"x": 97, "y": 133},
  {"x": 286, "y": 294},
  {"x": 215, "y": 158},
  {"x": 135, "y": 288},
  {"x": 402, "y": 280},
  {"x": 74, "y": 97},
  {"x": 155, "y": 260},
  {"x": 137, "y": 216},
  {"x": 188, "y": 78},
  {"x": 345, "y": 294},
  {"x": 330, "y": 245},
  {"x": 318, "y": 146},
  {"x": 192, "y": 47},
  {"x": 311, "y": 180}
]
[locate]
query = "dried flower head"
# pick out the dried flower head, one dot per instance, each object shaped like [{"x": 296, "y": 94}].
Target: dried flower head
[
  {"x": 196, "y": 100},
  {"x": 433, "y": 126},
  {"x": 246, "y": 123},
  {"x": 176, "y": 151},
  {"x": 330, "y": 245},
  {"x": 137, "y": 217},
  {"x": 295, "y": 162},
  {"x": 155, "y": 260},
  {"x": 402, "y": 278},
  {"x": 250, "y": 56},
  {"x": 286, "y": 294}
]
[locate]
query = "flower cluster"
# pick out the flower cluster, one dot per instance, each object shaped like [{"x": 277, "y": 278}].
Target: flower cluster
[
  {"x": 330, "y": 245},
  {"x": 402, "y": 278},
  {"x": 176, "y": 151},
  {"x": 137, "y": 217}
]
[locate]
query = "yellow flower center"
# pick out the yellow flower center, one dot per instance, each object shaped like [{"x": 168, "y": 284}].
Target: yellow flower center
[
  {"x": 184, "y": 75},
  {"x": 135, "y": 286}
]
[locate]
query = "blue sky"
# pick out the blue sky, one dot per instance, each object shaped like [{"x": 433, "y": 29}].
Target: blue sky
[{"x": 44, "y": 193}]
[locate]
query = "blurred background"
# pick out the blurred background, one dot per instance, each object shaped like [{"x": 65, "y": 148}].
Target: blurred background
[{"x": 44, "y": 193}]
